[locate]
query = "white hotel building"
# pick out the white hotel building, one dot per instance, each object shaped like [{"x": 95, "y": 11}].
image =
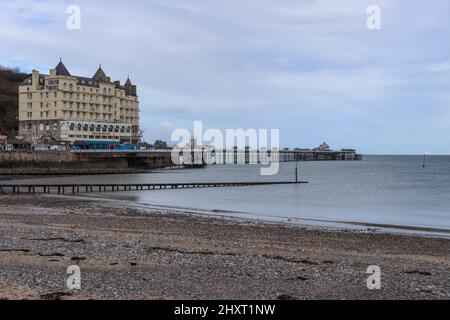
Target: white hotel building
[{"x": 60, "y": 107}]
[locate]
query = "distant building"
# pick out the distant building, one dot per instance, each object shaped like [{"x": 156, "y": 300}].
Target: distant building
[
  {"x": 60, "y": 107},
  {"x": 323, "y": 147}
]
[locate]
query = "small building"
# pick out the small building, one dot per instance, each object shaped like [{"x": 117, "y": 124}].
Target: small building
[
  {"x": 47, "y": 147},
  {"x": 17, "y": 144},
  {"x": 40, "y": 147}
]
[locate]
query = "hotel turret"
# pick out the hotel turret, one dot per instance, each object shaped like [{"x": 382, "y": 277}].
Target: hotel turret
[{"x": 63, "y": 108}]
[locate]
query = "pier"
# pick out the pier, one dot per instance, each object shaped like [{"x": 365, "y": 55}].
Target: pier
[
  {"x": 229, "y": 156},
  {"x": 88, "y": 188}
]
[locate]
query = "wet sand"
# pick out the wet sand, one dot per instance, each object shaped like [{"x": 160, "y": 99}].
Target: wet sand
[{"x": 127, "y": 253}]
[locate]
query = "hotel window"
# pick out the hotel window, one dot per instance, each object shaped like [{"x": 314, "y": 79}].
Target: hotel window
[
  {"x": 65, "y": 86},
  {"x": 70, "y": 87},
  {"x": 72, "y": 127}
]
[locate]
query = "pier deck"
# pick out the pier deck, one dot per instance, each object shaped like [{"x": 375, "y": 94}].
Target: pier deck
[{"x": 86, "y": 188}]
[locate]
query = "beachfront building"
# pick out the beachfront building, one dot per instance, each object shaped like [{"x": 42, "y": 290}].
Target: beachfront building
[{"x": 60, "y": 107}]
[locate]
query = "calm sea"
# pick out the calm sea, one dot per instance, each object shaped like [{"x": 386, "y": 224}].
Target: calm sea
[{"x": 379, "y": 192}]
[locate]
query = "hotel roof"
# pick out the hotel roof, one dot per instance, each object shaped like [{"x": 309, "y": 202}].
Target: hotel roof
[
  {"x": 61, "y": 69},
  {"x": 99, "y": 77}
]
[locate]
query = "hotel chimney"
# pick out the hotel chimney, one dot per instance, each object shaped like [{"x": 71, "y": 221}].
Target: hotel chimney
[{"x": 35, "y": 80}]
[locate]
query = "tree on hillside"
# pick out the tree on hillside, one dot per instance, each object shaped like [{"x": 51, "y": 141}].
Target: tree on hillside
[
  {"x": 9, "y": 99},
  {"x": 160, "y": 144}
]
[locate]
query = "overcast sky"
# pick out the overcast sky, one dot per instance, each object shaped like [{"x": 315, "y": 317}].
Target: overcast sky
[{"x": 310, "y": 68}]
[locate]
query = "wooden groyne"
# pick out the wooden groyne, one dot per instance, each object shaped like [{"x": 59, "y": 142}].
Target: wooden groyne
[{"x": 87, "y": 188}]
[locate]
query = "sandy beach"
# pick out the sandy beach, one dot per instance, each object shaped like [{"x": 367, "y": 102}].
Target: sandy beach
[{"x": 126, "y": 253}]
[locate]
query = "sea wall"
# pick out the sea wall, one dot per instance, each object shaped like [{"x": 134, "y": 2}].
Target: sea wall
[{"x": 64, "y": 162}]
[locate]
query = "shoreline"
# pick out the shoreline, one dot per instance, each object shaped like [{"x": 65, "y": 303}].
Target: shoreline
[
  {"x": 374, "y": 226},
  {"x": 126, "y": 253},
  {"x": 243, "y": 217}
]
